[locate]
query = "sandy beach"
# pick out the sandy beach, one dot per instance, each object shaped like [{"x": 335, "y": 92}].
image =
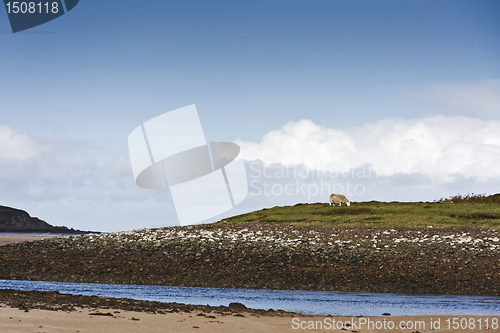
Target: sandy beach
[
  {"x": 127, "y": 321},
  {"x": 120, "y": 321},
  {"x": 18, "y": 238}
]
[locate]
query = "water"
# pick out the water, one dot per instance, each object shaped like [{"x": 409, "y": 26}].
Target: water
[{"x": 306, "y": 302}]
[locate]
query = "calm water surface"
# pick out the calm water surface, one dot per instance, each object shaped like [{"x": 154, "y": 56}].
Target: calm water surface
[{"x": 306, "y": 302}]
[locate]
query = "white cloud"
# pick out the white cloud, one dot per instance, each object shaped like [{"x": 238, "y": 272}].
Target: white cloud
[
  {"x": 438, "y": 147},
  {"x": 16, "y": 145},
  {"x": 481, "y": 100}
]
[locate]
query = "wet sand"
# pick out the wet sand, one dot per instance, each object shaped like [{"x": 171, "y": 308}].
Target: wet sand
[
  {"x": 18, "y": 238},
  {"x": 120, "y": 321}
]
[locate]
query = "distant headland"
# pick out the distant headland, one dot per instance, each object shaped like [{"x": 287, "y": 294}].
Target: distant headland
[{"x": 17, "y": 220}]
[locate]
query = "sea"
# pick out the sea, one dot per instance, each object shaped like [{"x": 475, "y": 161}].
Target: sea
[{"x": 300, "y": 301}]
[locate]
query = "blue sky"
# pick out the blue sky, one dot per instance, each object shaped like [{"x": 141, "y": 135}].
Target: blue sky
[{"x": 84, "y": 81}]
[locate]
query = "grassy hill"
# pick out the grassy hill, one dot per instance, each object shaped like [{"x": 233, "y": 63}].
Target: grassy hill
[{"x": 469, "y": 210}]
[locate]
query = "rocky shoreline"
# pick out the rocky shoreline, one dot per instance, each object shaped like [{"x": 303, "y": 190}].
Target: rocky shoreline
[
  {"x": 458, "y": 260},
  {"x": 55, "y": 301}
]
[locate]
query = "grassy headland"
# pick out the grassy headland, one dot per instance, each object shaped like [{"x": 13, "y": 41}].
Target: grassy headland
[{"x": 478, "y": 211}]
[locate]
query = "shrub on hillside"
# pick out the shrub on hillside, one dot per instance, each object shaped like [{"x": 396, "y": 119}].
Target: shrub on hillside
[{"x": 473, "y": 198}]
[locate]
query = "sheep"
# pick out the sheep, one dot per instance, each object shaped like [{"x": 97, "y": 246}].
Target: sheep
[{"x": 339, "y": 198}]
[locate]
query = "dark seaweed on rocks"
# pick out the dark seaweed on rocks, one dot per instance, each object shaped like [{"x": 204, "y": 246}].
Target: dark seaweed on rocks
[
  {"x": 457, "y": 260},
  {"x": 55, "y": 301}
]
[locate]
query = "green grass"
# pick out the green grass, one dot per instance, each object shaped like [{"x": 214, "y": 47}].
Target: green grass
[{"x": 380, "y": 214}]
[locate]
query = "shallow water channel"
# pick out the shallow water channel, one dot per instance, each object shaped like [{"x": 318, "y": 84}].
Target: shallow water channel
[{"x": 300, "y": 301}]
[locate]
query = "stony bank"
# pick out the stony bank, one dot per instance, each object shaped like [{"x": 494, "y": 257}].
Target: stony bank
[{"x": 456, "y": 260}]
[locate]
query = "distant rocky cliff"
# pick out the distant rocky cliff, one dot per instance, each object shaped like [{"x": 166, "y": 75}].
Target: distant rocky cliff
[{"x": 16, "y": 220}]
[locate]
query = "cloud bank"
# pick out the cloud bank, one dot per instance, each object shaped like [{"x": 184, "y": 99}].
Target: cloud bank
[
  {"x": 70, "y": 183},
  {"x": 17, "y": 145},
  {"x": 441, "y": 148}
]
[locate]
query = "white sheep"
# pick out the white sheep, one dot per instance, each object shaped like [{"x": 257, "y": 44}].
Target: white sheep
[{"x": 339, "y": 198}]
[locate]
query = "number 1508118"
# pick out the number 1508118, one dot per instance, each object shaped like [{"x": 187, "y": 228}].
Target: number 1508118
[{"x": 32, "y": 7}]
